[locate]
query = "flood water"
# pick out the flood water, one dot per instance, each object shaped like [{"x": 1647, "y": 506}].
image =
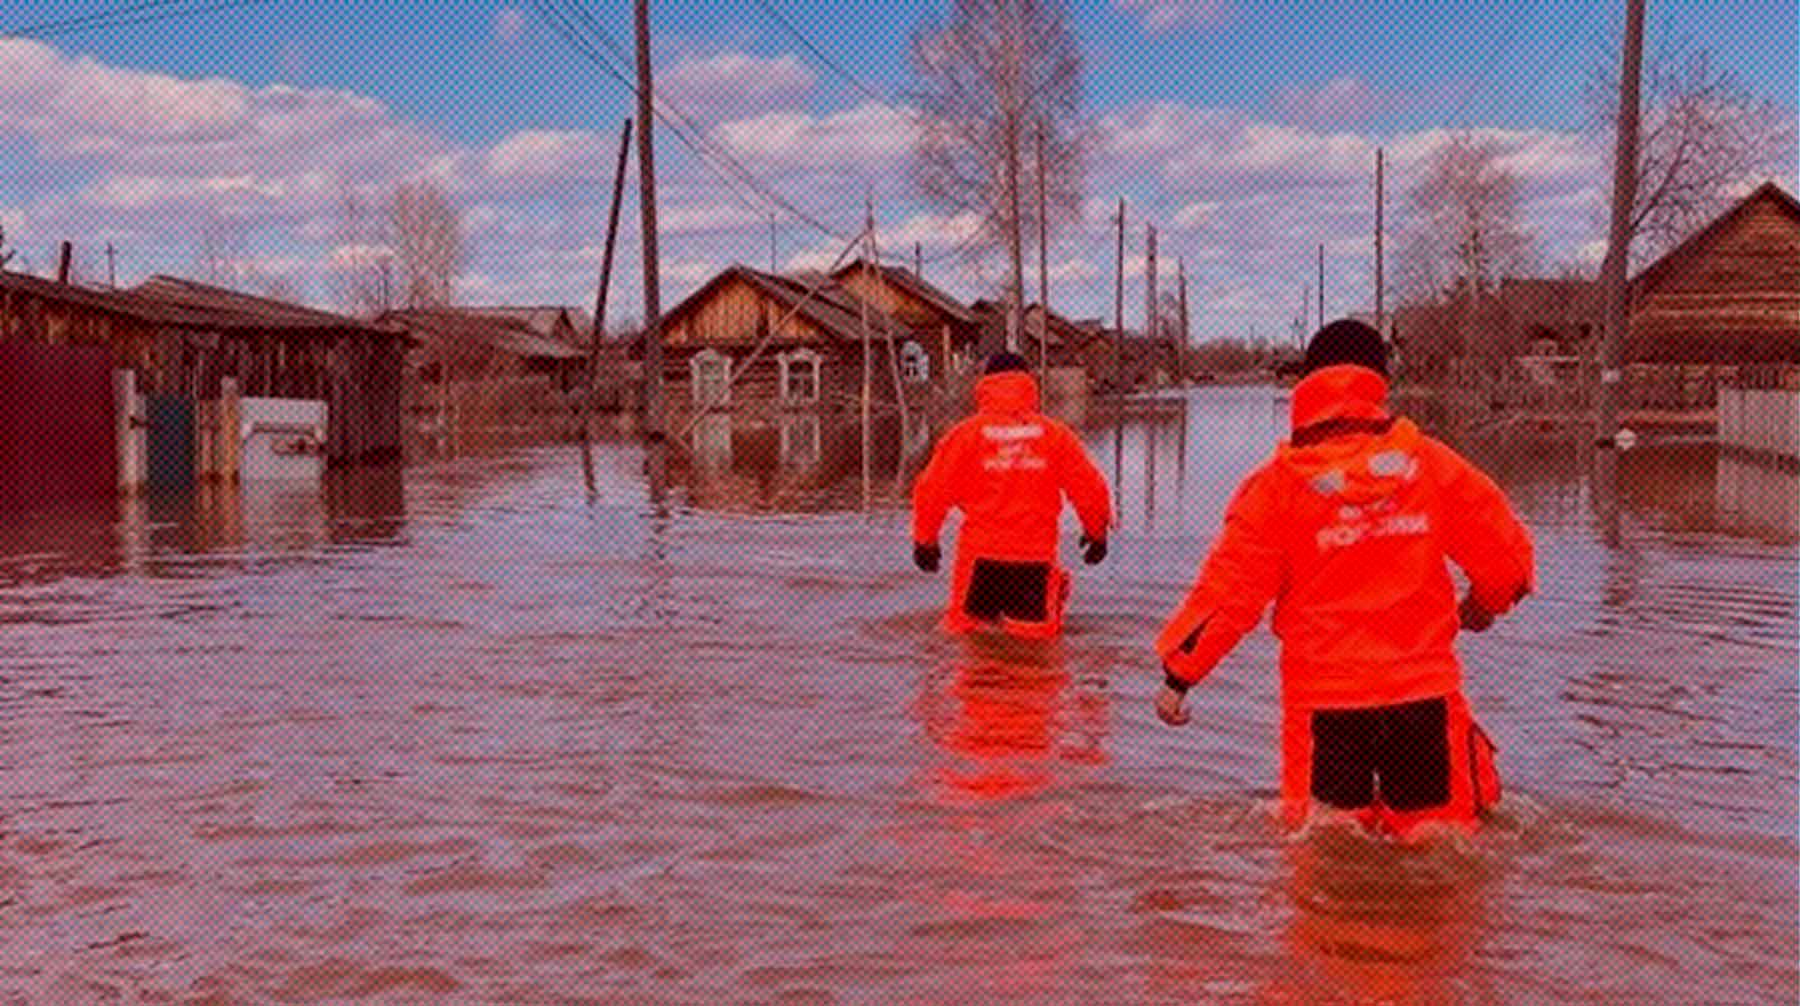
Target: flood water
[{"x": 472, "y": 732}]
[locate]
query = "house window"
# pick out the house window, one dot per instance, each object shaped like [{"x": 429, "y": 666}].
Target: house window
[
  {"x": 799, "y": 377},
  {"x": 711, "y": 373},
  {"x": 915, "y": 363},
  {"x": 800, "y": 440}
]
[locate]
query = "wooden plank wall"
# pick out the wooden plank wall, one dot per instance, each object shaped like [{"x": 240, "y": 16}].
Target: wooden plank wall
[{"x": 1733, "y": 297}]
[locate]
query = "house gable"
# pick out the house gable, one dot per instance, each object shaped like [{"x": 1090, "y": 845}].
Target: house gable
[{"x": 1729, "y": 293}]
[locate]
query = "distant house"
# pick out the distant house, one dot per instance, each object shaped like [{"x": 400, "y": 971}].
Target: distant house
[
  {"x": 923, "y": 307},
  {"x": 570, "y": 326},
  {"x": 183, "y": 338},
  {"x": 472, "y": 344},
  {"x": 1728, "y": 294},
  {"x": 790, "y": 341}
]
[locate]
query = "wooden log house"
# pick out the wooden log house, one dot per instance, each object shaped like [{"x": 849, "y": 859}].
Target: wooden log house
[
  {"x": 1729, "y": 294},
  {"x": 811, "y": 347}
]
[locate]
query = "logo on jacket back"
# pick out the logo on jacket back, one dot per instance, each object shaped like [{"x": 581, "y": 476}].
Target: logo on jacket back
[
  {"x": 1381, "y": 519},
  {"x": 1014, "y": 448}
]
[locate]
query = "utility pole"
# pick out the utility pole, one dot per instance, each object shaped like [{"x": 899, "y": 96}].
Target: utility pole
[
  {"x": 1043, "y": 236},
  {"x": 606, "y": 263},
  {"x": 918, "y": 260},
  {"x": 65, "y": 256},
  {"x": 1624, "y": 197},
  {"x": 868, "y": 373},
  {"x": 1150, "y": 320},
  {"x": 1380, "y": 237},
  {"x": 772, "y": 240},
  {"x": 1321, "y": 286},
  {"x": 1181, "y": 345},
  {"x": 653, "y": 349},
  {"x": 1119, "y": 306},
  {"x": 112, "y": 263}
]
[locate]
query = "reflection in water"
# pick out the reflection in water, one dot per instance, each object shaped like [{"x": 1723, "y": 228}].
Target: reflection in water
[
  {"x": 1009, "y": 718},
  {"x": 798, "y": 462},
  {"x": 158, "y": 533},
  {"x": 1380, "y": 923}
]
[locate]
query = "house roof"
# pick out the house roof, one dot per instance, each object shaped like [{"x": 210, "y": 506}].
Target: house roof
[
  {"x": 540, "y": 318},
  {"x": 915, "y": 285},
  {"x": 830, "y": 307},
  {"x": 181, "y": 303},
  {"x": 502, "y": 331},
  {"x": 1767, "y": 191}
]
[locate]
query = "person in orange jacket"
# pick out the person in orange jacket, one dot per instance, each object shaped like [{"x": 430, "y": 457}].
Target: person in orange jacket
[
  {"x": 1007, "y": 469},
  {"x": 1347, "y": 529}
]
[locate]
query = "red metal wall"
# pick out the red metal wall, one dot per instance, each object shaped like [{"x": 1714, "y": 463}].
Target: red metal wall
[{"x": 58, "y": 441}]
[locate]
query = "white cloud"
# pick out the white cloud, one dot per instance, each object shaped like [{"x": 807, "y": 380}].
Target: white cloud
[
  {"x": 871, "y": 139},
  {"x": 733, "y": 84},
  {"x": 1168, "y": 15},
  {"x": 509, "y": 25},
  {"x": 1340, "y": 102}
]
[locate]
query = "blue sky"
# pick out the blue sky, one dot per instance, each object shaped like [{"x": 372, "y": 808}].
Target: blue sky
[{"x": 1241, "y": 128}]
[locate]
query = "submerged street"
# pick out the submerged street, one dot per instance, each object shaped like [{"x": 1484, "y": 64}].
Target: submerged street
[{"x": 469, "y": 732}]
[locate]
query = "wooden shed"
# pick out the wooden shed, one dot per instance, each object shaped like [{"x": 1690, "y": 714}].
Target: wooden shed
[
  {"x": 796, "y": 350},
  {"x": 183, "y": 338},
  {"x": 1729, "y": 294}
]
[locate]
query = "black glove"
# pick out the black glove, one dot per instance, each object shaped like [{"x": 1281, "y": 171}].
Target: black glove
[
  {"x": 925, "y": 556},
  {"x": 1093, "y": 550}
]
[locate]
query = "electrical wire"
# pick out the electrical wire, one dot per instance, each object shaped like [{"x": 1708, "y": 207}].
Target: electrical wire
[{"x": 144, "y": 12}]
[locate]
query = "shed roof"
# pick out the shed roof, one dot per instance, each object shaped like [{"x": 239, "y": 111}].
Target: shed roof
[{"x": 172, "y": 302}]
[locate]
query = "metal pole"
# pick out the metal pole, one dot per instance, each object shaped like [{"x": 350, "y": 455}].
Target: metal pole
[
  {"x": 1182, "y": 345},
  {"x": 654, "y": 421},
  {"x": 1618, "y": 254}
]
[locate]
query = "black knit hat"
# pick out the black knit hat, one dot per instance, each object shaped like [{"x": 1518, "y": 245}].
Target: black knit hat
[
  {"x": 1001, "y": 363},
  {"x": 1346, "y": 341}
]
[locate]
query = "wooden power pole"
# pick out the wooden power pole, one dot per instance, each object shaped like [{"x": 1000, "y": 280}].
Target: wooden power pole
[
  {"x": 654, "y": 419},
  {"x": 1150, "y": 325},
  {"x": 1321, "y": 286},
  {"x": 1043, "y": 239},
  {"x": 606, "y": 263},
  {"x": 1618, "y": 245},
  {"x": 1181, "y": 344},
  {"x": 1119, "y": 305},
  {"x": 1380, "y": 237}
]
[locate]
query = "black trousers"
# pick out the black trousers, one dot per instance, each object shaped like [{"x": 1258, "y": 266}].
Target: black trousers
[
  {"x": 1016, "y": 590},
  {"x": 1401, "y": 753}
]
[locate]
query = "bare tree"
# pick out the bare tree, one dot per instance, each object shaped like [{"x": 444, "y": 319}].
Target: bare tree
[
  {"x": 221, "y": 255},
  {"x": 6, "y": 254},
  {"x": 1704, "y": 136},
  {"x": 361, "y": 267},
  {"x": 993, "y": 76},
  {"x": 426, "y": 234},
  {"x": 1465, "y": 233}
]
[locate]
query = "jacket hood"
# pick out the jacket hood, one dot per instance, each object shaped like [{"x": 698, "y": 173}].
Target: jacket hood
[
  {"x": 1371, "y": 459},
  {"x": 1345, "y": 391},
  {"x": 1011, "y": 391}
]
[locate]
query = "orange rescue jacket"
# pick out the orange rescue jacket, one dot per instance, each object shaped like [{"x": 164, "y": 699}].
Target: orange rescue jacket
[
  {"x": 1007, "y": 468},
  {"x": 1346, "y": 529}
]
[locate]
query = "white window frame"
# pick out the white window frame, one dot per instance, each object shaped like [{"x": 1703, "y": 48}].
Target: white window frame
[
  {"x": 790, "y": 363},
  {"x": 707, "y": 371},
  {"x": 915, "y": 363}
]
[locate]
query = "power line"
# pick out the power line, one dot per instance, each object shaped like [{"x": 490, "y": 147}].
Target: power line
[
  {"x": 580, "y": 33},
  {"x": 867, "y": 89},
  {"x": 143, "y": 12}
]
